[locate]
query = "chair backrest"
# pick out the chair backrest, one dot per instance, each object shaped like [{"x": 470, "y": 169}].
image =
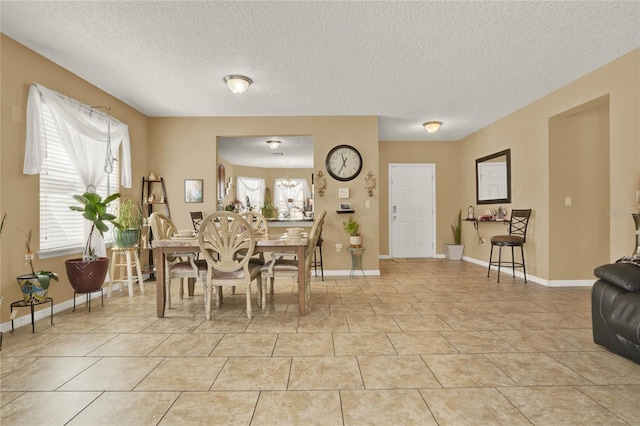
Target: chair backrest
[
  {"x": 226, "y": 240},
  {"x": 519, "y": 222},
  {"x": 196, "y": 219},
  {"x": 258, "y": 222},
  {"x": 314, "y": 234},
  {"x": 161, "y": 226}
]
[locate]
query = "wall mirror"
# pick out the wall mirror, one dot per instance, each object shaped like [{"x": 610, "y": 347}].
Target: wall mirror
[{"x": 493, "y": 178}]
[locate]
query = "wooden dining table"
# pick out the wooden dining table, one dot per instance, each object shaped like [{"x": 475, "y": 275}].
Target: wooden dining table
[{"x": 190, "y": 245}]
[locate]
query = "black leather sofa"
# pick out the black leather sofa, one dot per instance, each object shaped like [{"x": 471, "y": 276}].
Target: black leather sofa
[{"x": 615, "y": 309}]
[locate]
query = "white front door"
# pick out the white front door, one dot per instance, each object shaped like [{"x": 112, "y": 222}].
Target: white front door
[{"x": 412, "y": 210}]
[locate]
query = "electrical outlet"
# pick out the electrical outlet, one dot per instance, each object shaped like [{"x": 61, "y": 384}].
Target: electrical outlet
[
  {"x": 567, "y": 201},
  {"x": 338, "y": 247},
  {"x": 367, "y": 204}
]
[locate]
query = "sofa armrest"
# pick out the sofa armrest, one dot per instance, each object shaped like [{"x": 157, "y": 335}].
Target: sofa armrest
[{"x": 625, "y": 275}]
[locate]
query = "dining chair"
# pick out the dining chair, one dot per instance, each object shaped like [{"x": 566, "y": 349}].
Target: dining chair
[
  {"x": 260, "y": 227},
  {"x": 278, "y": 265},
  {"x": 516, "y": 238},
  {"x": 196, "y": 220},
  {"x": 227, "y": 242},
  {"x": 178, "y": 265}
]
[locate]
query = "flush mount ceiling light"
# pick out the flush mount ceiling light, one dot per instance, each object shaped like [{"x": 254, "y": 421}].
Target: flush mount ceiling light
[
  {"x": 238, "y": 84},
  {"x": 432, "y": 126},
  {"x": 273, "y": 144}
]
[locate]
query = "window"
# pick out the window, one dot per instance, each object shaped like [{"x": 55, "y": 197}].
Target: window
[
  {"x": 250, "y": 192},
  {"x": 61, "y": 229},
  {"x": 291, "y": 195}
]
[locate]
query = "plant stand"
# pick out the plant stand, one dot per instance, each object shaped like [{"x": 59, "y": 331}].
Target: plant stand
[
  {"x": 31, "y": 304},
  {"x": 356, "y": 259},
  {"x": 88, "y": 302}
]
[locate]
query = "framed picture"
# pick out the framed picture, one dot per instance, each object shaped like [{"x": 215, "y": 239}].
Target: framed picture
[
  {"x": 193, "y": 190},
  {"x": 345, "y": 206},
  {"x": 343, "y": 193}
]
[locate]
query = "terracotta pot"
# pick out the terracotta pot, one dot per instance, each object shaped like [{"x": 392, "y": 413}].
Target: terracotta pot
[{"x": 86, "y": 277}]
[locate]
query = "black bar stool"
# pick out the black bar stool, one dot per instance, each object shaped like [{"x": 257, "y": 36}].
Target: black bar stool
[{"x": 317, "y": 262}]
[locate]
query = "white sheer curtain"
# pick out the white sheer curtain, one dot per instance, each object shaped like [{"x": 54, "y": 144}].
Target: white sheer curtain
[
  {"x": 295, "y": 189},
  {"x": 88, "y": 136},
  {"x": 254, "y": 189},
  {"x": 84, "y": 130}
]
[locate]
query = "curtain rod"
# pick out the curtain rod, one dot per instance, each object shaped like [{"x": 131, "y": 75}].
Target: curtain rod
[{"x": 108, "y": 115}]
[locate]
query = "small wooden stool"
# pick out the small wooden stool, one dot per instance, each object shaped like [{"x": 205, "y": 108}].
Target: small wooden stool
[{"x": 121, "y": 258}]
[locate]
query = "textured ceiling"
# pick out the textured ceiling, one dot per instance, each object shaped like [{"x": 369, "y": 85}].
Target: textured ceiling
[
  {"x": 467, "y": 64},
  {"x": 294, "y": 152}
]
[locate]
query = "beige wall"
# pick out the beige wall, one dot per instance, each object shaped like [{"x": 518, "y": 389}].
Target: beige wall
[
  {"x": 18, "y": 192},
  {"x": 182, "y": 148},
  {"x": 527, "y": 132},
  {"x": 579, "y": 169}
]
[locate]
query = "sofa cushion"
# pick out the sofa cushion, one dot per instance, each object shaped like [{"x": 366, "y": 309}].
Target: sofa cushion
[
  {"x": 625, "y": 275},
  {"x": 624, "y": 318}
]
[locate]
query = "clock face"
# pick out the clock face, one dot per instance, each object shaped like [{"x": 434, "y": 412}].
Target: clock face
[{"x": 344, "y": 162}]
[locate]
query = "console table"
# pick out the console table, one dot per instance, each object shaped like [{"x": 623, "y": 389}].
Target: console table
[{"x": 477, "y": 221}]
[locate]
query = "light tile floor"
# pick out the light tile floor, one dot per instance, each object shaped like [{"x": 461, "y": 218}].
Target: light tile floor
[{"x": 427, "y": 342}]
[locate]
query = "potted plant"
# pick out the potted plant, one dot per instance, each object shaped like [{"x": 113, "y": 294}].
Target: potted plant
[
  {"x": 352, "y": 228},
  {"x": 35, "y": 285},
  {"x": 130, "y": 219},
  {"x": 454, "y": 251},
  {"x": 87, "y": 274}
]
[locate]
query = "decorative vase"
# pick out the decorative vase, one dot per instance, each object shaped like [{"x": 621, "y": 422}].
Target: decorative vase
[
  {"x": 87, "y": 276},
  {"x": 32, "y": 290},
  {"x": 126, "y": 237},
  {"x": 636, "y": 219},
  {"x": 453, "y": 251}
]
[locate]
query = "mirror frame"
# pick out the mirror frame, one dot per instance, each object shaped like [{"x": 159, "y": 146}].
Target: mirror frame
[{"x": 507, "y": 154}]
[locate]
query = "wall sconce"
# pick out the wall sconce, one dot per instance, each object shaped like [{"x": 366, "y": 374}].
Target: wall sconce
[
  {"x": 320, "y": 183},
  {"x": 273, "y": 144},
  {"x": 238, "y": 84},
  {"x": 432, "y": 126},
  {"x": 370, "y": 183}
]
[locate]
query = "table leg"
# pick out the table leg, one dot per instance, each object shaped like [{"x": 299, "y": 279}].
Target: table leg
[
  {"x": 160, "y": 284},
  {"x": 302, "y": 298}
]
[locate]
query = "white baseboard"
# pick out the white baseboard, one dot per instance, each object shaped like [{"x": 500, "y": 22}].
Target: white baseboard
[{"x": 533, "y": 278}]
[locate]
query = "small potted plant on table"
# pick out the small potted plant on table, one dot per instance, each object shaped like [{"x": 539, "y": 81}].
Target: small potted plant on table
[
  {"x": 130, "y": 219},
  {"x": 87, "y": 274},
  {"x": 352, "y": 228},
  {"x": 35, "y": 285}
]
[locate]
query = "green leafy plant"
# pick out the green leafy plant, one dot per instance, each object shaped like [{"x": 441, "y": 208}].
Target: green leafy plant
[
  {"x": 44, "y": 277},
  {"x": 94, "y": 209},
  {"x": 351, "y": 227},
  {"x": 130, "y": 214},
  {"x": 457, "y": 230}
]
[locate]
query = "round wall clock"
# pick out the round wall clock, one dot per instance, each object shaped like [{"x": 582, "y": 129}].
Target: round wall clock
[{"x": 344, "y": 162}]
